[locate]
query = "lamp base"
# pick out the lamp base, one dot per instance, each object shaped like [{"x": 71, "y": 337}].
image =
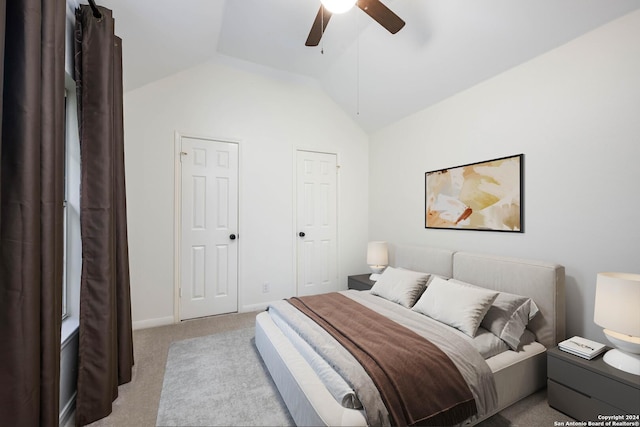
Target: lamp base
[
  {"x": 377, "y": 269},
  {"x": 624, "y": 361}
]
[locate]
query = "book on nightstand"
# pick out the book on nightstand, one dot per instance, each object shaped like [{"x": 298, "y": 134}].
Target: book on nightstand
[{"x": 582, "y": 347}]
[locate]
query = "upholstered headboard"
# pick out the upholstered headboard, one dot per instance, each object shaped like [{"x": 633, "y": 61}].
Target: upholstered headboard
[
  {"x": 542, "y": 281},
  {"x": 422, "y": 258}
]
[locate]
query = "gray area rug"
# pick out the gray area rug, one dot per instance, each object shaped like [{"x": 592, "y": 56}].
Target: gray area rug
[{"x": 219, "y": 380}]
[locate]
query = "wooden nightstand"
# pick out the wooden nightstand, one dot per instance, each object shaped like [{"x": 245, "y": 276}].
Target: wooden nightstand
[
  {"x": 585, "y": 389},
  {"x": 360, "y": 282}
]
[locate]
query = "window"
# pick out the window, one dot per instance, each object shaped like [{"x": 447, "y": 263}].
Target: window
[
  {"x": 72, "y": 244},
  {"x": 64, "y": 214}
]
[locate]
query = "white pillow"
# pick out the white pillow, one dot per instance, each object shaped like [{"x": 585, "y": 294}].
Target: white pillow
[
  {"x": 400, "y": 286},
  {"x": 487, "y": 344},
  {"x": 508, "y": 316},
  {"x": 456, "y": 305}
]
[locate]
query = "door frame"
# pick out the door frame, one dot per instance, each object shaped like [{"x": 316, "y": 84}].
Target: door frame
[
  {"x": 294, "y": 226},
  {"x": 177, "y": 209}
]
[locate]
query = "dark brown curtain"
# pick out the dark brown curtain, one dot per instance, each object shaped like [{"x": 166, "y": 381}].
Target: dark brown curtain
[
  {"x": 31, "y": 209},
  {"x": 106, "y": 345}
]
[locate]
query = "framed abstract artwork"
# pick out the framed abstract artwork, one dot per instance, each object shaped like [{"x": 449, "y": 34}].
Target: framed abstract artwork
[{"x": 485, "y": 196}]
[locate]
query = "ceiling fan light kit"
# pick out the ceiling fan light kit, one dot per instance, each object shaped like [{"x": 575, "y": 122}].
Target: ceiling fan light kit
[{"x": 338, "y": 6}]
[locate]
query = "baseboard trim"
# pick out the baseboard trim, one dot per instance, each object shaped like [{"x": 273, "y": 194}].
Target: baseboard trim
[
  {"x": 163, "y": 321},
  {"x": 254, "y": 307},
  {"x": 152, "y": 323}
]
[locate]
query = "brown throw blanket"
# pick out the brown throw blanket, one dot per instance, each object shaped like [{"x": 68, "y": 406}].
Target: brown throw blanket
[{"x": 418, "y": 383}]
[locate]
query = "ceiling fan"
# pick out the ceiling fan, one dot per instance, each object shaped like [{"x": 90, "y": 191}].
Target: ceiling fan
[{"x": 374, "y": 8}]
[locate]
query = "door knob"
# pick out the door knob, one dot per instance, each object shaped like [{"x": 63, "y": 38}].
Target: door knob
[
  {"x": 301, "y": 234},
  {"x": 232, "y": 237}
]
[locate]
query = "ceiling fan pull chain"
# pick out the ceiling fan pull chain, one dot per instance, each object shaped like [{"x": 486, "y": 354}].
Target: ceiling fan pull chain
[{"x": 322, "y": 30}]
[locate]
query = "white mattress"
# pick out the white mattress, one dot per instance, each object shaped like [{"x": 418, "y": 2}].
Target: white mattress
[{"x": 516, "y": 375}]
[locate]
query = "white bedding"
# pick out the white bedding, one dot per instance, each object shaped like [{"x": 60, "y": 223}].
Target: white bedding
[
  {"x": 337, "y": 386},
  {"x": 486, "y": 343},
  {"x": 308, "y": 400},
  {"x": 516, "y": 373},
  {"x": 458, "y": 347}
]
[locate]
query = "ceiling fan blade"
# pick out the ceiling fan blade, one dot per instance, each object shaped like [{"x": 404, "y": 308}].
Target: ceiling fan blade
[
  {"x": 318, "y": 27},
  {"x": 382, "y": 14}
]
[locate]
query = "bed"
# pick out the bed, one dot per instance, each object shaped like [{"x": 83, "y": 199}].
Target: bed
[{"x": 514, "y": 374}]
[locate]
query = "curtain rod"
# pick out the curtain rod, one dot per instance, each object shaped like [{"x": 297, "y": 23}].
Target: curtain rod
[{"x": 96, "y": 12}]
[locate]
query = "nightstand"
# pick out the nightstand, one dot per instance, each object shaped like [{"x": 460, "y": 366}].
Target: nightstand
[
  {"x": 360, "y": 282},
  {"x": 584, "y": 389}
]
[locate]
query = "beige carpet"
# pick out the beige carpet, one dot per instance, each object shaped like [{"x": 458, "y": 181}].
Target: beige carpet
[{"x": 138, "y": 401}]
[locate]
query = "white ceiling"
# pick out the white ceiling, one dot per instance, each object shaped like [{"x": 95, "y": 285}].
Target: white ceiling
[{"x": 377, "y": 78}]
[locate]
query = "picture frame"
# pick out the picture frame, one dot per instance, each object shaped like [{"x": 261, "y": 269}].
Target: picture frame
[{"x": 482, "y": 196}]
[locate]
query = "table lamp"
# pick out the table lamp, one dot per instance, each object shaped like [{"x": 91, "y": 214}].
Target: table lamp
[
  {"x": 377, "y": 258},
  {"x": 617, "y": 310}
]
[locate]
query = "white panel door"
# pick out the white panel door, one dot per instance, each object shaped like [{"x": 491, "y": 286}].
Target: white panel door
[
  {"x": 209, "y": 224},
  {"x": 317, "y": 264}
]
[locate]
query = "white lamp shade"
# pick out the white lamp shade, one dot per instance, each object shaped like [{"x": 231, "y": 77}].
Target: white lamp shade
[
  {"x": 338, "y": 6},
  {"x": 617, "y": 305},
  {"x": 377, "y": 254}
]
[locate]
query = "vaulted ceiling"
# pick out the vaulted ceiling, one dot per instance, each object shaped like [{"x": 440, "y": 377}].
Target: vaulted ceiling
[{"x": 445, "y": 47}]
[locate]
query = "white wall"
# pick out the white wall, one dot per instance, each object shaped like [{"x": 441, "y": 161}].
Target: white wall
[
  {"x": 575, "y": 114},
  {"x": 271, "y": 115}
]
